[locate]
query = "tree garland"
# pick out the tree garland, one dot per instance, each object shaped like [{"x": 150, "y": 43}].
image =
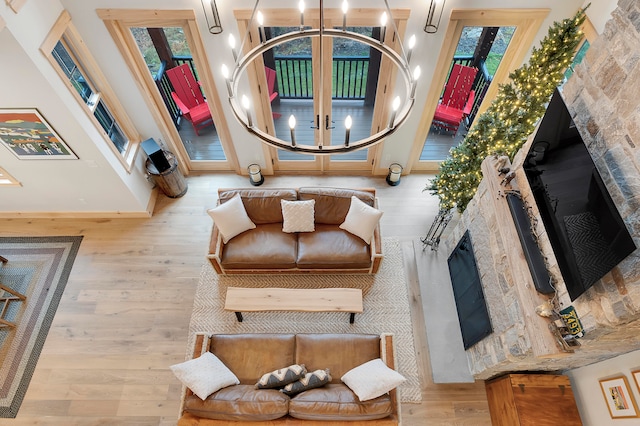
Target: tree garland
[{"x": 512, "y": 116}]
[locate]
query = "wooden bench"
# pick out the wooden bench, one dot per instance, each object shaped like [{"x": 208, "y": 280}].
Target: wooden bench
[{"x": 294, "y": 299}]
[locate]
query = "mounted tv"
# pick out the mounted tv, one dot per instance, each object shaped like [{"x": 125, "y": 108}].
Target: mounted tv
[{"x": 587, "y": 234}]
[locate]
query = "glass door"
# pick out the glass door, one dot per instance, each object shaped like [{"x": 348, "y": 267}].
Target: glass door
[
  {"x": 168, "y": 57},
  {"x": 354, "y": 69}
]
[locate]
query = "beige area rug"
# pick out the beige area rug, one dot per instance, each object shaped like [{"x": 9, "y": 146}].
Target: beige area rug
[{"x": 386, "y": 310}]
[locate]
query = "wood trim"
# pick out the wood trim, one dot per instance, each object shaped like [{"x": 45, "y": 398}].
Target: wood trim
[
  {"x": 140, "y": 17},
  {"x": 4, "y": 175},
  {"x": 75, "y": 215},
  {"x": 527, "y": 22},
  {"x": 589, "y": 30},
  {"x": 16, "y": 5},
  {"x": 55, "y": 33},
  {"x": 119, "y": 30}
]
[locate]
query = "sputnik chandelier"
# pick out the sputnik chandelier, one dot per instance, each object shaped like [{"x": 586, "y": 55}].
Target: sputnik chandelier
[{"x": 401, "y": 104}]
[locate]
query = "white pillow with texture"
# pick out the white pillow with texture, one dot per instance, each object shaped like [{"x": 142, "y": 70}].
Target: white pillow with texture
[
  {"x": 299, "y": 216},
  {"x": 361, "y": 219},
  {"x": 372, "y": 379},
  {"x": 231, "y": 218},
  {"x": 204, "y": 375}
]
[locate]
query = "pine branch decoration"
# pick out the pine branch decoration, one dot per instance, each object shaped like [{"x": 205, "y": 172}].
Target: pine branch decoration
[{"x": 512, "y": 116}]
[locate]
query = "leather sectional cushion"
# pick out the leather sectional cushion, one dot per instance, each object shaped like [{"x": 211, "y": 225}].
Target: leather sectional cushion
[
  {"x": 332, "y": 204},
  {"x": 250, "y": 355},
  {"x": 330, "y": 247},
  {"x": 240, "y": 403},
  {"x": 262, "y": 205},
  {"x": 265, "y": 247},
  {"x": 336, "y": 402},
  {"x": 337, "y": 352}
]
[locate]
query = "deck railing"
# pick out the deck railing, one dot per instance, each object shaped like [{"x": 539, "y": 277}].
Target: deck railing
[
  {"x": 481, "y": 84},
  {"x": 295, "y": 77}
]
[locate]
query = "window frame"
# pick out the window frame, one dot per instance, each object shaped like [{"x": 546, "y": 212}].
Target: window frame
[{"x": 64, "y": 31}]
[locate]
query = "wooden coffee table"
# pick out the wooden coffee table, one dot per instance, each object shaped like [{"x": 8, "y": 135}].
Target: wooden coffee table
[{"x": 294, "y": 299}]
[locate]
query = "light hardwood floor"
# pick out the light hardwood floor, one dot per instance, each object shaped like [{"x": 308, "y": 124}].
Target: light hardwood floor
[{"x": 124, "y": 316}]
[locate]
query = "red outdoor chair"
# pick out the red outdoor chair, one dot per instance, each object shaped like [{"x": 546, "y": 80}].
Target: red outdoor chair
[
  {"x": 271, "y": 85},
  {"x": 457, "y": 100},
  {"x": 188, "y": 97}
]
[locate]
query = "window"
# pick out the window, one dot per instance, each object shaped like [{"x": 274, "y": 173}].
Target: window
[
  {"x": 6, "y": 179},
  {"x": 73, "y": 62}
]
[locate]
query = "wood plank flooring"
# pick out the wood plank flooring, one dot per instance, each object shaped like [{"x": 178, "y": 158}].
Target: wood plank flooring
[{"x": 124, "y": 316}]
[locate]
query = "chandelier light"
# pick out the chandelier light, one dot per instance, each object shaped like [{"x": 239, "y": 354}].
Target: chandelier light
[
  {"x": 434, "y": 16},
  {"x": 241, "y": 104},
  {"x": 212, "y": 17}
]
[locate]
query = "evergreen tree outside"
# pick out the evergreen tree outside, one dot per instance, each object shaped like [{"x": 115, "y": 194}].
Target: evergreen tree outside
[{"x": 512, "y": 116}]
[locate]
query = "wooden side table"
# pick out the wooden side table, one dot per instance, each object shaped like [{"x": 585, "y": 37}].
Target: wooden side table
[{"x": 5, "y": 300}]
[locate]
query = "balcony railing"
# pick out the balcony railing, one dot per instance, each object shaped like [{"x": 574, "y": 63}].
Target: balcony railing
[{"x": 295, "y": 77}]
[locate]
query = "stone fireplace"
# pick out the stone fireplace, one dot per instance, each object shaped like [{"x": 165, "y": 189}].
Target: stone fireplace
[{"x": 602, "y": 98}]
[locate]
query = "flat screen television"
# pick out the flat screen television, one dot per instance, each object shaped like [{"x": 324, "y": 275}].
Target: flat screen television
[{"x": 587, "y": 234}]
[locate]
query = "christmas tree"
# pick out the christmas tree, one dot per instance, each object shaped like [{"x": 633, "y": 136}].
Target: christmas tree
[{"x": 512, "y": 116}]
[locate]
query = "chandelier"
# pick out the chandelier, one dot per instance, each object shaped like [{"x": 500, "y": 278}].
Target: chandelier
[{"x": 241, "y": 104}]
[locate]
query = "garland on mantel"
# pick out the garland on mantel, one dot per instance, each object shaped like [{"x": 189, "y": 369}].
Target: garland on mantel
[{"x": 512, "y": 116}]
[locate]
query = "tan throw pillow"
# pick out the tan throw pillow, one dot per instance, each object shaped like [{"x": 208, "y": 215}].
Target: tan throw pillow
[
  {"x": 231, "y": 218},
  {"x": 204, "y": 375},
  {"x": 298, "y": 216},
  {"x": 372, "y": 379},
  {"x": 361, "y": 219},
  {"x": 281, "y": 377},
  {"x": 315, "y": 379}
]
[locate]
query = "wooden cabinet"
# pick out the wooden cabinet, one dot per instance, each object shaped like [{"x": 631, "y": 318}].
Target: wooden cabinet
[{"x": 532, "y": 399}]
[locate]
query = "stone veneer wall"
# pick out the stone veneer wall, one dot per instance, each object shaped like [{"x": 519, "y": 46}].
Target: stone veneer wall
[{"x": 603, "y": 97}]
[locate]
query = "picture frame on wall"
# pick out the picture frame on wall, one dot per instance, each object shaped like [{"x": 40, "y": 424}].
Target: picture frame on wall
[
  {"x": 618, "y": 397},
  {"x": 28, "y": 136},
  {"x": 636, "y": 378}
]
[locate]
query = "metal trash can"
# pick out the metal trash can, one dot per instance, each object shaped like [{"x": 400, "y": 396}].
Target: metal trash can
[{"x": 170, "y": 181}]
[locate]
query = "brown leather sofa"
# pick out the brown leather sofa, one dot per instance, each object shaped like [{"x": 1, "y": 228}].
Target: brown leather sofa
[
  {"x": 249, "y": 356},
  {"x": 267, "y": 249}
]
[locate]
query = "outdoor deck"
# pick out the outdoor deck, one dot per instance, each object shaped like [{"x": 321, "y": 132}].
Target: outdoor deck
[{"x": 207, "y": 147}]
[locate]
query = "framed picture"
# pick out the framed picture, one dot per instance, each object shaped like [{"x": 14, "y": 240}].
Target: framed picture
[
  {"x": 636, "y": 378},
  {"x": 28, "y": 136},
  {"x": 618, "y": 397}
]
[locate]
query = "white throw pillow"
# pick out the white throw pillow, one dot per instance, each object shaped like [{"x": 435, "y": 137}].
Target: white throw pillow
[
  {"x": 231, "y": 218},
  {"x": 372, "y": 379},
  {"x": 298, "y": 216},
  {"x": 204, "y": 375},
  {"x": 361, "y": 219}
]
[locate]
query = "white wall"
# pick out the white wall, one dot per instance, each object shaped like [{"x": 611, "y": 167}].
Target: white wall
[
  {"x": 589, "y": 398},
  {"x": 30, "y": 26},
  {"x": 88, "y": 184},
  {"x": 599, "y": 12}
]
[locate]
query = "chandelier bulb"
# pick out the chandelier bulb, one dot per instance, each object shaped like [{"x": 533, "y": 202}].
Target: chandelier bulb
[
  {"x": 412, "y": 42},
  {"x": 225, "y": 71},
  {"x": 345, "y": 8},
  {"x": 232, "y": 41},
  {"x": 416, "y": 73},
  {"x": 260, "y": 18},
  {"x": 292, "y": 121},
  {"x": 396, "y": 103},
  {"x": 348, "y": 122}
]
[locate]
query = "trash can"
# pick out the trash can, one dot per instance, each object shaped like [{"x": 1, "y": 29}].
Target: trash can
[{"x": 170, "y": 181}]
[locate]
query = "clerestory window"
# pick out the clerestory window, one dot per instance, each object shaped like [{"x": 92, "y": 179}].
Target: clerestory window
[{"x": 74, "y": 63}]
